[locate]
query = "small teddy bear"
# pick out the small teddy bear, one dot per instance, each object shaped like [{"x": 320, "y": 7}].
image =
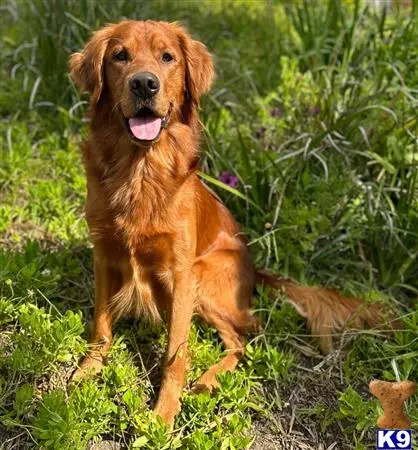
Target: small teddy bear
[{"x": 392, "y": 396}]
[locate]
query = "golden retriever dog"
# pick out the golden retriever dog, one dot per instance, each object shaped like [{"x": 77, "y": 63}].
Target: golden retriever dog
[{"x": 164, "y": 245}]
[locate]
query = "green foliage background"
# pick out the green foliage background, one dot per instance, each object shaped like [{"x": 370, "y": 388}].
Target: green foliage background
[{"x": 314, "y": 110}]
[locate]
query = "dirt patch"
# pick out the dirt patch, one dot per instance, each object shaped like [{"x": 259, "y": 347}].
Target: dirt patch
[
  {"x": 105, "y": 445},
  {"x": 301, "y": 416},
  {"x": 12, "y": 440}
]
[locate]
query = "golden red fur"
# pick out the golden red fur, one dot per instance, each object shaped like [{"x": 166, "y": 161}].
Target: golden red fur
[{"x": 162, "y": 241}]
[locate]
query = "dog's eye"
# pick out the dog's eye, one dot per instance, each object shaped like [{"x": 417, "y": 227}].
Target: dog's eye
[
  {"x": 121, "y": 56},
  {"x": 166, "y": 57}
]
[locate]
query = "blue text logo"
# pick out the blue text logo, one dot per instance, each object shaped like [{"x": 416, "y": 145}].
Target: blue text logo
[{"x": 394, "y": 439}]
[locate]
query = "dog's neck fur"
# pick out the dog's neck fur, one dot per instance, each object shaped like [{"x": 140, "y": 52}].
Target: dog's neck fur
[{"x": 139, "y": 183}]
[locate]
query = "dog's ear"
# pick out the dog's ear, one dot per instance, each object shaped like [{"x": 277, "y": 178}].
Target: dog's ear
[
  {"x": 86, "y": 68},
  {"x": 200, "y": 70}
]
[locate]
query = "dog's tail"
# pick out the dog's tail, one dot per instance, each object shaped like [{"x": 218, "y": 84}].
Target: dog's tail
[{"x": 326, "y": 310}]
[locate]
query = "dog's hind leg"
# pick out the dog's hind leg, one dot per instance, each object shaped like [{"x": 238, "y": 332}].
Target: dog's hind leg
[
  {"x": 234, "y": 346},
  {"x": 225, "y": 284}
]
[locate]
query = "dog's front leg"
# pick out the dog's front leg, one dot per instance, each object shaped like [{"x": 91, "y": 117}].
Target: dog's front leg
[
  {"x": 179, "y": 320},
  {"x": 107, "y": 283}
]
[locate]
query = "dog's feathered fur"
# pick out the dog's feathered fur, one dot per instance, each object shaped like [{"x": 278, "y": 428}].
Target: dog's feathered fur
[{"x": 162, "y": 241}]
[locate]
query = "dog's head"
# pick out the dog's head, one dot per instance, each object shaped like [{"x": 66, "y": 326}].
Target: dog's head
[{"x": 148, "y": 73}]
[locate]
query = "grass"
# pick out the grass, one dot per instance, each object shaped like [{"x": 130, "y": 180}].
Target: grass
[{"x": 314, "y": 110}]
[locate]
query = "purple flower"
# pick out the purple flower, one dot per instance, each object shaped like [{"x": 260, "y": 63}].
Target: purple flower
[
  {"x": 314, "y": 110},
  {"x": 276, "y": 112},
  {"x": 229, "y": 179}
]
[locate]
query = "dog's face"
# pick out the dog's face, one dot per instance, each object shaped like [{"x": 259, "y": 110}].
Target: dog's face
[{"x": 147, "y": 71}]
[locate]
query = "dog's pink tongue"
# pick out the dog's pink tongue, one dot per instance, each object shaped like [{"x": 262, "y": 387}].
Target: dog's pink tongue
[{"x": 145, "y": 128}]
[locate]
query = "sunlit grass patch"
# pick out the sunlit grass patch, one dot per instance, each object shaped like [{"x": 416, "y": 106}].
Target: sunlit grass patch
[{"x": 313, "y": 116}]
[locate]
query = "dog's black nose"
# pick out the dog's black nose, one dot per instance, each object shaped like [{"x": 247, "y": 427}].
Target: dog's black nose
[{"x": 144, "y": 84}]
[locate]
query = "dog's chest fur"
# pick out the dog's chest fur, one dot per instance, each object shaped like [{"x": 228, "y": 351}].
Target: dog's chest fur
[
  {"x": 130, "y": 212},
  {"x": 133, "y": 208}
]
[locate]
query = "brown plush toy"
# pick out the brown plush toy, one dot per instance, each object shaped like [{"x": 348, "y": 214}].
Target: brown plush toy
[{"x": 392, "y": 396}]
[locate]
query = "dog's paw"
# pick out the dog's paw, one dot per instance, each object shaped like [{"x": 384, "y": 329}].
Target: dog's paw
[
  {"x": 167, "y": 411},
  {"x": 91, "y": 365},
  {"x": 206, "y": 383}
]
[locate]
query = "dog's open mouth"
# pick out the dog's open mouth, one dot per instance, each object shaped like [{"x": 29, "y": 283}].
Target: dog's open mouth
[{"x": 146, "y": 126}]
